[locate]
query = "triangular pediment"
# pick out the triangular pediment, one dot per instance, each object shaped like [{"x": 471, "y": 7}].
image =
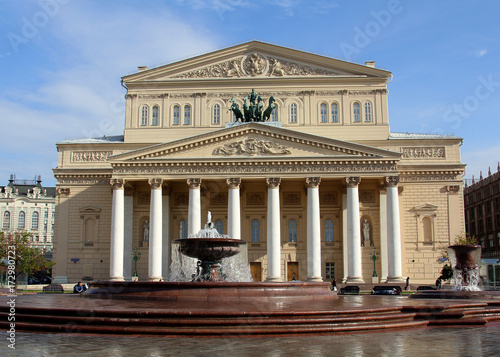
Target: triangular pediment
[
  {"x": 254, "y": 141},
  {"x": 255, "y": 59},
  {"x": 426, "y": 207}
]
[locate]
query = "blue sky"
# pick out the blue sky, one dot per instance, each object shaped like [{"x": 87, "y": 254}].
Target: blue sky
[{"x": 62, "y": 60}]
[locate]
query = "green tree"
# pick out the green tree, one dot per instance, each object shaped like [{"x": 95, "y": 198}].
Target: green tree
[{"x": 18, "y": 256}]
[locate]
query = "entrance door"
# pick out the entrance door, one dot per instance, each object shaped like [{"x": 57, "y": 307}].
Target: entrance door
[
  {"x": 256, "y": 271},
  {"x": 292, "y": 268}
]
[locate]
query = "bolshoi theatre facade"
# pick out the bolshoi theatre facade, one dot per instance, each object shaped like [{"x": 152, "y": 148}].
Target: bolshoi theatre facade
[{"x": 290, "y": 151}]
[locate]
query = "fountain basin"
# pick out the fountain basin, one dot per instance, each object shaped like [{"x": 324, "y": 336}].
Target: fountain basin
[{"x": 210, "y": 249}]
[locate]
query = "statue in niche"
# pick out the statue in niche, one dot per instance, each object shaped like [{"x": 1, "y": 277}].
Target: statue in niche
[
  {"x": 366, "y": 233},
  {"x": 146, "y": 231}
]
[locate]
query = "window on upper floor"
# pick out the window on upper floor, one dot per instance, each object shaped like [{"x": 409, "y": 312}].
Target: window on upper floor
[
  {"x": 323, "y": 112},
  {"x": 356, "y": 112},
  {"x": 255, "y": 231},
  {"x": 187, "y": 115},
  {"x": 427, "y": 229},
  {"x": 156, "y": 115},
  {"x": 329, "y": 231},
  {"x": 368, "y": 112},
  {"x": 293, "y": 113},
  {"x": 216, "y": 114},
  {"x": 6, "y": 220},
  {"x": 177, "y": 115},
  {"x": 274, "y": 113},
  {"x": 144, "y": 115},
  {"x": 34, "y": 220},
  {"x": 21, "y": 220},
  {"x": 335, "y": 112},
  {"x": 292, "y": 231},
  {"x": 219, "y": 225},
  {"x": 183, "y": 229}
]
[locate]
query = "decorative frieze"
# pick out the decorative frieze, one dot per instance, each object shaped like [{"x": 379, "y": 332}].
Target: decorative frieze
[
  {"x": 423, "y": 153},
  {"x": 83, "y": 180},
  {"x": 181, "y": 199},
  {"x": 144, "y": 198},
  {"x": 153, "y": 96},
  {"x": 63, "y": 191},
  {"x": 328, "y": 198},
  {"x": 90, "y": 156},
  {"x": 302, "y": 167},
  {"x": 255, "y": 198},
  {"x": 251, "y": 147},
  {"x": 218, "y": 199},
  {"x": 291, "y": 198},
  {"x": 419, "y": 177},
  {"x": 367, "y": 196}
]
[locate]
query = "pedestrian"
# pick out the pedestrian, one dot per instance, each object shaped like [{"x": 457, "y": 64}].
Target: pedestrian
[
  {"x": 407, "y": 286},
  {"x": 438, "y": 284},
  {"x": 334, "y": 285}
]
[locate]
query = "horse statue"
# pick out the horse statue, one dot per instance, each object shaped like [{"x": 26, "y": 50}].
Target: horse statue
[
  {"x": 236, "y": 110},
  {"x": 269, "y": 110},
  {"x": 246, "y": 109}
]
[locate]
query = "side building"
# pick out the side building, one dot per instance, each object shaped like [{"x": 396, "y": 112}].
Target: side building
[
  {"x": 25, "y": 205},
  {"x": 315, "y": 190}
]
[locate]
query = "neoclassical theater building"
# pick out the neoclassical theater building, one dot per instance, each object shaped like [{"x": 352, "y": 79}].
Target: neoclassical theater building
[{"x": 290, "y": 151}]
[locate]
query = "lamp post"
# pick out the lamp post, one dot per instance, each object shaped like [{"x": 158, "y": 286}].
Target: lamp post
[
  {"x": 374, "y": 257},
  {"x": 135, "y": 256}
]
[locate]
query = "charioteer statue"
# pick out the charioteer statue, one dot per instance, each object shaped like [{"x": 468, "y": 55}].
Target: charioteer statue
[{"x": 252, "y": 108}]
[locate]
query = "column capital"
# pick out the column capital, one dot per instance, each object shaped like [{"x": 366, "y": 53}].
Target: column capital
[
  {"x": 234, "y": 182},
  {"x": 453, "y": 188},
  {"x": 155, "y": 183},
  {"x": 273, "y": 182},
  {"x": 392, "y": 181},
  {"x": 352, "y": 181},
  {"x": 194, "y": 183},
  {"x": 118, "y": 184},
  {"x": 313, "y": 182}
]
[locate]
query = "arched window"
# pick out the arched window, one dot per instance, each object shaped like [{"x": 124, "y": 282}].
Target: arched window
[
  {"x": 21, "y": 220},
  {"x": 427, "y": 226},
  {"x": 216, "y": 114},
  {"x": 328, "y": 230},
  {"x": 274, "y": 114},
  {"x": 177, "y": 115},
  {"x": 368, "y": 112},
  {"x": 187, "y": 115},
  {"x": 6, "y": 220},
  {"x": 34, "y": 220},
  {"x": 156, "y": 112},
  {"x": 335, "y": 112},
  {"x": 293, "y": 113},
  {"x": 219, "y": 225},
  {"x": 144, "y": 115},
  {"x": 292, "y": 231},
  {"x": 323, "y": 113},
  {"x": 255, "y": 231},
  {"x": 183, "y": 229},
  {"x": 356, "y": 114}
]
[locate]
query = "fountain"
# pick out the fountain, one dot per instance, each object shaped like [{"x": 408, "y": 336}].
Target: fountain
[{"x": 465, "y": 261}]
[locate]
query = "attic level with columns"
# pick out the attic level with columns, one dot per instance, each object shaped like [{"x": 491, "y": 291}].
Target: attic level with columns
[{"x": 289, "y": 151}]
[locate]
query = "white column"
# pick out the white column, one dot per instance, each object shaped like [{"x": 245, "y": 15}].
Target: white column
[
  {"x": 155, "y": 228},
  {"x": 234, "y": 208},
  {"x": 129, "y": 229},
  {"x": 345, "y": 244},
  {"x": 395, "y": 274},
  {"x": 165, "y": 230},
  {"x": 194, "y": 214},
  {"x": 313, "y": 230},
  {"x": 383, "y": 233},
  {"x": 353, "y": 231},
  {"x": 117, "y": 232},
  {"x": 273, "y": 230}
]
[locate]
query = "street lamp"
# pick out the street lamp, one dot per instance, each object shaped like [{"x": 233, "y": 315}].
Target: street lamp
[
  {"x": 374, "y": 257},
  {"x": 135, "y": 256}
]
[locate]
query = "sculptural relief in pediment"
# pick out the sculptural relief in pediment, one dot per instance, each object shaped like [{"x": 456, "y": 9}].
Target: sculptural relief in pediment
[
  {"x": 251, "y": 146},
  {"x": 256, "y": 64}
]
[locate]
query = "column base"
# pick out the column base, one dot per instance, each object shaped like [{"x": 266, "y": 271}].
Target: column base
[
  {"x": 315, "y": 278},
  {"x": 155, "y": 278},
  {"x": 395, "y": 280},
  {"x": 354, "y": 280},
  {"x": 274, "y": 280},
  {"x": 116, "y": 278}
]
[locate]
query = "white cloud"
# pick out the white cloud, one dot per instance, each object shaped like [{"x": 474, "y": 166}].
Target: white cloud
[{"x": 482, "y": 53}]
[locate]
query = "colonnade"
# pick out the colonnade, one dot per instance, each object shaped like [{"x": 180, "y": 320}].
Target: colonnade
[{"x": 390, "y": 228}]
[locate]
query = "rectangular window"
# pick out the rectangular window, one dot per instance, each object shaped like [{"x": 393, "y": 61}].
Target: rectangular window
[{"x": 330, "y": 271}]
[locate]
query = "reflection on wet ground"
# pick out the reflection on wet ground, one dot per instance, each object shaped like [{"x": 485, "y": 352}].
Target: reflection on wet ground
[{"x": 468, "y": 341}]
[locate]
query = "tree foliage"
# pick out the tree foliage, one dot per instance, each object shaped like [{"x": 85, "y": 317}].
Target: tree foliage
[
  {"x": 16, "y": 250},
  {"x": 460, "y": 239}
]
